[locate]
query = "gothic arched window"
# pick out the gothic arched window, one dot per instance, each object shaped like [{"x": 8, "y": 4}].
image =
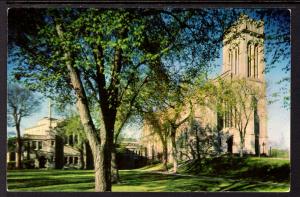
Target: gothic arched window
[
  {"x": 252, "y": 53},
  {"x": 236, "y": 61},
  {"x": 230, "y": 59},
  {"x": 256, "y": 61},
  {"x": 249, "y": 47}
]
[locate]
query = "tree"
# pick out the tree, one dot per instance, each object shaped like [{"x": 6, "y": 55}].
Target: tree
[
  {"x": 72, "y": 126},
  {"x": 94, "y": 64},
  {"x": 174, "y": 125},
  {"x": 198, "y": 136},
  {"x": 126, "y": 111},
  {"x": 160, "y": 129},
  {"x": 164, "y": 112},
  {"x": 239, "y": 102},
  {"x": 21, "y": 103},
  {"x": 174, "y": 117}
]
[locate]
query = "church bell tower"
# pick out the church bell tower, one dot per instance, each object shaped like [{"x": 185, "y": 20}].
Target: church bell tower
[
  {"x": 243, "y": 51},
  {"x": 243, "y": 58}
]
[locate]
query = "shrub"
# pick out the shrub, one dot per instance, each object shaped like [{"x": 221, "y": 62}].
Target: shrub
[
  {"x": 28, "y": 164},
  {"x": 11, "y": 165}
]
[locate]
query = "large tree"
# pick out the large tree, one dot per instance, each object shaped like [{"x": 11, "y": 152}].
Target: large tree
[
  {"x": 164, "y": 112},
  {"x": 238, "y": 100},
  {"x": 21, "y": 103},
  {"x": 175, "y": 119}
]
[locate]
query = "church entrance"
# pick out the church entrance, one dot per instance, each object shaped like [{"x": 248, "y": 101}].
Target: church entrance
[{"x": 229, "y": 144}]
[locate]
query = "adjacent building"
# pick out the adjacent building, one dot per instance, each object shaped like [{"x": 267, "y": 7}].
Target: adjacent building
[{"x": 43, "y": 147}]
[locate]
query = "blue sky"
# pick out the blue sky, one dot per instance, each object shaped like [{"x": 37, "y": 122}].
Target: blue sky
[{"x": 278, "y": 117}]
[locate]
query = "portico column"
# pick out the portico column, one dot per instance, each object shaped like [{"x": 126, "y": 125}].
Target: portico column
[{"x": 8, "y": 156}]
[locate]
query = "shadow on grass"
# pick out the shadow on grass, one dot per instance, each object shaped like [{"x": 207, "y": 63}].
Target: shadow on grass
[
  {"x": 131, "y": 181},
  {"x": 164, "y": 182},
  {"x": 19, "y": 180},
  {"x": 255, "y": 186}
]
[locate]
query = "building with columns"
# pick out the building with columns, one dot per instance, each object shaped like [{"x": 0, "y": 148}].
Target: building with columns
[
  {"x": 243, "y": 58},
  {"x": 44, "y": 147}
]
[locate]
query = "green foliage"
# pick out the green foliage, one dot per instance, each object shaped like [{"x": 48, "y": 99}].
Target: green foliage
[
  {"x": 11, "y": 144},
  {"x": 121, "y": 150},
  {"x": 28, "y": 163},
  {"x": 279, "y": 153},
  {"x": 170, "y": 41},
  {"x": 72, "y": 126},
  {"x": 236, "y": 99},
  {"x": 11, "y": 165},
  {"x": 145, "y": 37}
]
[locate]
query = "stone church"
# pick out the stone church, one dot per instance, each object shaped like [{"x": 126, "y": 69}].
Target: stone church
[{"x": 243, "y": 58}]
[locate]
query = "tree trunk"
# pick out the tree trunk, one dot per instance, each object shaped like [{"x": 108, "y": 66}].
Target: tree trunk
[
  {"x": 241, "y": 152},
  {"x": 19, "y": 148},
  {"x": 102, "y": 180},
  {"x": 115, "y": 178},
  {"x": 242, "y": 148},
  {"x": 100, "y": 144},
  {"x": 174, "y": 151},
  {"x": 165, "y": 156},
  {"x": 102, "y": 169}
]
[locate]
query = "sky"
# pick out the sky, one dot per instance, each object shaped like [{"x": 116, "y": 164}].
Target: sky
[{"x": 278, "y": 117}]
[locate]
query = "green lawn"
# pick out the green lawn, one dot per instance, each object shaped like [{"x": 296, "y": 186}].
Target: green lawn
[
  {"x": 139, "y": 180},
  {"x": 247, "y": 168}
]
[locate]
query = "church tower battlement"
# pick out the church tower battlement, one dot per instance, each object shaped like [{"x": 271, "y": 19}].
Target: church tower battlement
[{"x": 243, "y": 50}]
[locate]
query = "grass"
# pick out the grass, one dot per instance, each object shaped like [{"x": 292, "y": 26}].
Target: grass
[
  {"x": 155, "y": 167},
  {"x": 147, "y": 179},
  {"x": 250, "y": 168}
]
